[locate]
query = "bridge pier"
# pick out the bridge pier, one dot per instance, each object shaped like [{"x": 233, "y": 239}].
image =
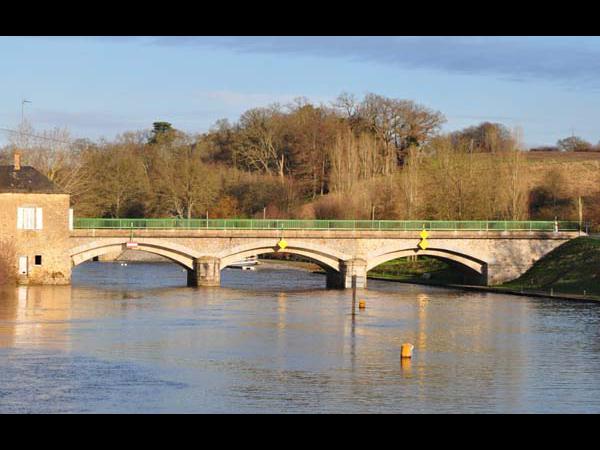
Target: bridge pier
[
  {"x": 334, "y": 279},
  {"x": 343, "y": 278},
  {"x": 206, "y": 272}
]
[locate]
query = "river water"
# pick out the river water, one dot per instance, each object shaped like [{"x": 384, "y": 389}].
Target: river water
[{"x": 135, "y": 339}]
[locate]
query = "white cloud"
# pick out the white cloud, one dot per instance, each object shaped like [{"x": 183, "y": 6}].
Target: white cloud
[{"x": 242, "y": 100}]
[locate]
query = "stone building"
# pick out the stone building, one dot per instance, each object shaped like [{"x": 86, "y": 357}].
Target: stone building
[{"x": 36, "y": 217}]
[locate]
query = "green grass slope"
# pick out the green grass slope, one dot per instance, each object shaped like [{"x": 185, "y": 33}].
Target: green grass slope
[
  {"x": 572, "y": 268},
  {"x": 438, "y": 272}
]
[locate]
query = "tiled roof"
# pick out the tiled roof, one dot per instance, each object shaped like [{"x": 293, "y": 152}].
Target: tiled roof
[{"x": 27, "y": 180}]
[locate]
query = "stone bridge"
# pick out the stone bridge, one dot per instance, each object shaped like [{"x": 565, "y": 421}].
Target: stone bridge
[
  {"x": 491, "y": 257},
  {"x": 39, "y": 227}
]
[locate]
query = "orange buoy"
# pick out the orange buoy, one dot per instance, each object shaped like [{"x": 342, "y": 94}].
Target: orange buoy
[
  {"x": 362, "y": 304},
  {"x": 406, "y": 350}
]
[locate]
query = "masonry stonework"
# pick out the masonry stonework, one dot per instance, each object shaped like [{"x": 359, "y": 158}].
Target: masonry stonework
[
  {"x": 52, "y": 243},
  {"x": 494, "y": 257}
]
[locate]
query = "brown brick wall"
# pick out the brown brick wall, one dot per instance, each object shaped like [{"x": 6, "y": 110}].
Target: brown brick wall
[{"x": 52, "y": 242}]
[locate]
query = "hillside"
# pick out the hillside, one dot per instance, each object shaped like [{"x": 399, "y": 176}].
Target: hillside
[{"x": 572, "y": 268}]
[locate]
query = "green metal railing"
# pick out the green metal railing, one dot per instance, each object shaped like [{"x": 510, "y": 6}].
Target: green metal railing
[{"x": 379, "y": 225}]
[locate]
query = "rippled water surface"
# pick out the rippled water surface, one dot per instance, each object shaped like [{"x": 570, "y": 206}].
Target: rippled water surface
[{"x": 135, "y": 339}]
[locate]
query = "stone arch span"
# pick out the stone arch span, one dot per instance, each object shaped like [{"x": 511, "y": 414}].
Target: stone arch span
[
  {"x": 176, "y": 253},
  {"x": 323, "y": 256},
  {"x": 470, "y": 262}
]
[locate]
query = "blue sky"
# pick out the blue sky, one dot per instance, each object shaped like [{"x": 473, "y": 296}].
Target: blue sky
[{"x": 101, "y": 86}]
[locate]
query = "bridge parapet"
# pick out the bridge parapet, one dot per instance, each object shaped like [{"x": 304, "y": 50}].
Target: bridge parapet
[
  {"x": 294, "y": 224},
  {"x": 326, "y": 234}
]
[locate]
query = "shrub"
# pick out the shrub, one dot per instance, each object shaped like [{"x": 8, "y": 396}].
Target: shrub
[
  {"x": 8, "y": 256},
  {"x": 331, "y": 207}
]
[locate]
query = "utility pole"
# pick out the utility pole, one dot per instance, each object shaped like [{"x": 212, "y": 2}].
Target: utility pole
[
  {"x": 23, "y": 111},
  {"x": 21, "y": 128}
]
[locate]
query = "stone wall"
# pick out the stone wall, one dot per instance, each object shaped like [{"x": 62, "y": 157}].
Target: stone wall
[{"x": 52, "y": 242}]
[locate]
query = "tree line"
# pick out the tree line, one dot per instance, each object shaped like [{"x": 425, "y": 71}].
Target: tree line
[
  {"x": 569, "y": 144},
  {"x": 374, "y": 157}
]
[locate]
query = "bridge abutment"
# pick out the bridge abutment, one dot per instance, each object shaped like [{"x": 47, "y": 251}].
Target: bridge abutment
[
  {"x": 206, "y": 272},
  {"x": 501, "y": 273}
]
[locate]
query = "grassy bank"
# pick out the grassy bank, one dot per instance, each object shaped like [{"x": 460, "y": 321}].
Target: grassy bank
[
  {"x": 423, "y": 269},
  {"x": 572, "y": 268}
]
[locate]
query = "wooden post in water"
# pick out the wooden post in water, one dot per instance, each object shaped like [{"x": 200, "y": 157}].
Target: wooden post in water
[
  {"x": 353, "y": 294},
  {"x": 580, "y": 207}
]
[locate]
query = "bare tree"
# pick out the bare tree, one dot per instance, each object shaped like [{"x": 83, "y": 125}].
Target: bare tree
[
  {"x": 54, "y": 153},
  {"x": 8, "y": 257},
  {"x": 260, "y": 141},
  {"x": 187, "y": 185},
  {"x": 516, "y": 188},
  {"x": 118, "y": 184},
  {"x": 574, "y": 144},
  {"x": 411, "y": 181}
]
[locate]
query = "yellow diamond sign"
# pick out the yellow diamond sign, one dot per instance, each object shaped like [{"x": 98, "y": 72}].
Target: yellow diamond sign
[
  {"x": 282, "y": 244},
  {"x": 424, "y": 235}
]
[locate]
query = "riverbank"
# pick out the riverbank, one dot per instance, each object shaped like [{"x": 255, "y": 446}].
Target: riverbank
[
  {"x": 498, "y": 290},
  {"x": 284, "y": 264},
  {"x": 570, "y": 272},
  {"x": 133, "y": 256},
  {"x": 424, "y": 269},
  {"x": 572, "y": 269}
]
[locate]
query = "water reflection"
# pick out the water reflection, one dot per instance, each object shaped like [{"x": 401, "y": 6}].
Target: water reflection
[
  {"x": 37, "y": 316},
  {"x": 406, "y": 366},
  {"x": 134, "y": 339}
]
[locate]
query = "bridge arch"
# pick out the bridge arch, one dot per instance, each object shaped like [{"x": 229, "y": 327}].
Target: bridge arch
[
  {"x": 176, "y": 253},
  {"x": 468, "y": 261},
  {"x": 325, "y": 257}
]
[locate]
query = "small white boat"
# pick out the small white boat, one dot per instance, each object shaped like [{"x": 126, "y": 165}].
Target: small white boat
[{"x": 246, "y": 264}]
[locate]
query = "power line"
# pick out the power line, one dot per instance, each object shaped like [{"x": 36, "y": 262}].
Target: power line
[{"x": 35, "y": 136}]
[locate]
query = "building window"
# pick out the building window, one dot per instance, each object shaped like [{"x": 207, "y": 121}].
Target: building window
[
  {"x": 29, "y": 218},
  {"x": 38, "y": 260}
]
